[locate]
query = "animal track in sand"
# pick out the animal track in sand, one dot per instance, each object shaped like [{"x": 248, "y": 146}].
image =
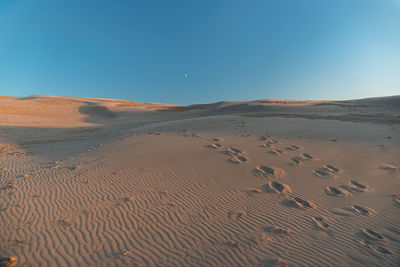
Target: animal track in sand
[
  {"x": 240, "y": 214},
  {"x": 255, "y": 191},
  {"x": 121, "y": 254},
  {"x": 237, "y": 155},
  {"x": 277, "y": 188},
  {"x": 271, "y": 171},
  {"x": 356, "y": 186},
  {"x": 269, "y": 142},
  {"x": 362, "y": 210},
  {"x": 76, "y": 167},
  {"x": 16, "y": 241},
  {"x": 8, "y": 187},
  {"x": 11, "y": 151},
  {"x": 276, "y": 230},
  {"x": 233, "y": 244},
  {"x": 8, "y": 261},
  {"x": 292, "y": 148},
  {"x": 215, "y": 146},
  {"x": 163, "y": 192},
  {"x": 396, "y": 200},
  {"x": 320, "y": 223},
  {"x": 4, "y": 209},
  {"x": 382, "y": 250},
  {"x": 124, "y": 253},
  {"x": 295, "y": 161},
  {"x": 388, "y": 167},
  {"x": 307, "y": 156},
  {"x": 187, "y": 133},
  {"x": 244, "y": 134},
  {"x": 238, "y": 159},
  {"x": 326, "y": 170},
  {"x": 154, "y": 133},
  {"x": 275, "y": 152},
  {"x": 333, "y": 191},
  {"x": 371, "y": 235},
  {"x": 126, "y": 199},
  {"x": 263, "y": 138},
  {"x": 65, "y": 222},
  {"x": 298, "y": 203},
  {"x": 280, "y": 262},
  {"x": 235, "y": 151},
  {"x": 231, "y": 152}
]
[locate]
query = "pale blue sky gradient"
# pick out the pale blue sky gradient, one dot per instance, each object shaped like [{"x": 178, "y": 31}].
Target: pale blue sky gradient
[{"x": 231, "y": 50}]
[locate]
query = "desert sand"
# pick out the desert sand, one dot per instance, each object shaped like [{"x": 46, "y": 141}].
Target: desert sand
[{"x": 103, "y": 182}]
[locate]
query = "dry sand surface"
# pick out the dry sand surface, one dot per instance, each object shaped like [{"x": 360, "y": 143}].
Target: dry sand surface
[{"x": 101, "y": 182}]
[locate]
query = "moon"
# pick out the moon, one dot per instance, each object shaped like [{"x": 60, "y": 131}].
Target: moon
[{"x": 186, "y": 75}]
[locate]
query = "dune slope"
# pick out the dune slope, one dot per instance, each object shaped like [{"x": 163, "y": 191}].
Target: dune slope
[{"x": 103, "y": 182}]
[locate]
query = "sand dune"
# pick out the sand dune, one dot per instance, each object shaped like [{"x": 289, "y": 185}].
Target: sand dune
[{"x": 106, "y": 182}]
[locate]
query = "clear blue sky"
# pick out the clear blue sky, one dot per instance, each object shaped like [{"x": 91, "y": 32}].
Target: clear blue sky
[{"x": 231, "y": 50}]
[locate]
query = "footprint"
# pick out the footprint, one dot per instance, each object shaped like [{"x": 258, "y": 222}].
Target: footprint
[
  {"x": 233, "y": 244},
  {"x": 124, "y": 253},
  {"x": 396, "y": 200},
  {"x": 8, "y": 187},
  {"x": 319, "y": 223},
  {"x": 307, "y": 156},
  {"x": 292, "y": 148},
  {"x": 298, "y": 203},
  {"x": 276, "y": 230},
  {"x": 237, "y": 156},
  {"x": 321, "y": 172},
  {"x": 331, "y": 168},
  {"x": 240, "y": 214},
  {"x": 163, "y": 192},
  {"x": 255, "y": 191},
  {"x": 356, "y": 186},
  {"x": 215, "y": 146},
  {"x": 376, "y": 248},
  {"x": 275, "y": 152},
  {"x": 388, "y": 167},
  {"x": 326, "y": 171},
  {"x": 277, "y": 188},
  {"x": 126, "y": 199},
  {"x": 237, "y": 151},
  {"x": 238, "y": 159},
  {"x": 382, "y": 250},
  {"x": 295, "y": 161},
  {"x": 341, "y": 212},
  {"x": 333, "y": 191},
  {"x": 187, "y": 133},
  {"x": 233, "y": 151},
  {"x": 8, "y": 261},
  {"x": 244, "y": 134},
  {"x": 362, "y": 210},
  {"x": 270, "y": 171},
  {"x": 65, "y": 222},
  {"x": 280, "y": 262},
  {"x": 269, "y": 142},
  {"x": 371, "y": 235}
]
